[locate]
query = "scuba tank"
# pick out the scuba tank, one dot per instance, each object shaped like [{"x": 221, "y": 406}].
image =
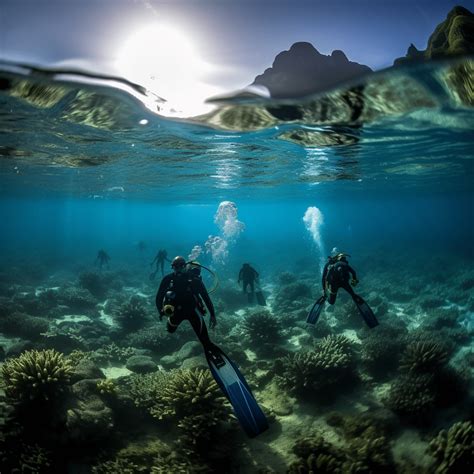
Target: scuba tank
[{"x": 169, "y": 303}]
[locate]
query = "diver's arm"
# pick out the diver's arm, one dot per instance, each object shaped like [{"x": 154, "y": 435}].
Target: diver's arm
[
  {"x": 255, "y": 273},
  {"x": 161, "y": 294},
  {"x": 240, "y": 276},
  {"x": 325, "y": 273},
  {"x": 352, "y": 272},
  {"x": 206, "y": 298},
  {"x": 153, "y": 261}
]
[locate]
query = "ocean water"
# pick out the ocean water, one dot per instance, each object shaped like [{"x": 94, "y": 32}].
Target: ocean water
[{"x": 381, "y": 169}]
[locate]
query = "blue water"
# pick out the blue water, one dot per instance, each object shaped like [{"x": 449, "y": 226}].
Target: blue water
[{"x": 84, "y": 168}]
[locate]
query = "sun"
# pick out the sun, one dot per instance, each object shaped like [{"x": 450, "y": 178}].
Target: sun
[{"x": 166, "y": 61}]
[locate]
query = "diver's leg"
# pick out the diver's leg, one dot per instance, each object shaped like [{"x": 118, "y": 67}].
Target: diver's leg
[
  {"x": 349, "y": 289},
  {"x": 162, "y": 264},
  {"x": 173, "y": 323},
  {"x": 200, "y": 328},
  {"x": 332, "y": 290}
]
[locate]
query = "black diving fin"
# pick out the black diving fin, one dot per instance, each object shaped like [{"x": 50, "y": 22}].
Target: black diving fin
[
  {"x": 235, "y": 388},
  {"x": 315, "y": 312},
  {"x": 366, "y": 312}
]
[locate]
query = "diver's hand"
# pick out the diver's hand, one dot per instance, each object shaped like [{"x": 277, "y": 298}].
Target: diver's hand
[
  {"x": 354, "y": 281},
  {"x": 212, "y": 322}
]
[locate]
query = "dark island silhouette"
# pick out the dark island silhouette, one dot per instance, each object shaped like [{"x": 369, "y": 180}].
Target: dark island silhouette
[
  {"x": 303, "y": 70},
  {"x": 453, "y": 37}
]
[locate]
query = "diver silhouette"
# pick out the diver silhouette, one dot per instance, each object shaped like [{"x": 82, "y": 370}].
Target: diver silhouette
[{"x": 102, "y": 259}]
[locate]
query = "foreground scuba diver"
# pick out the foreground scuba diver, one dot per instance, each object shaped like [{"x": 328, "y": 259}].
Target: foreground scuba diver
[
  {"x": 336, "y": 274},
  {"x": 181, "y": 296},
  {"x": 249, "y": 278}
]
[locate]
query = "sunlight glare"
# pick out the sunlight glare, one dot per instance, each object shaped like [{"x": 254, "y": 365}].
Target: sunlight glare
[{"x": 165, "y": 61}]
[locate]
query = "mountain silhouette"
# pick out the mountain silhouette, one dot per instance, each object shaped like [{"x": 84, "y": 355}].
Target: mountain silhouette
[
  {"x": 303, "y": 70},
  {"x": 453, "y": 37}
]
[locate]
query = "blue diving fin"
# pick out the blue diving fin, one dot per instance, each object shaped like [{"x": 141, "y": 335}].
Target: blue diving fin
[
  {"x": 313, "y": 315},
  {"x": 366, "y": 312},
  {"x": 235, "y": 388}
]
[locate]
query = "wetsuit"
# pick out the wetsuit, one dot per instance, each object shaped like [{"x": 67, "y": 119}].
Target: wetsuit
[
  {"x": 102, "y": 259},
  {"x": 337, "y": 275},
  {"x": 248, "y": 275},
  {"x": 160, "y": 258},
  {"x": 189, "y": 294}
]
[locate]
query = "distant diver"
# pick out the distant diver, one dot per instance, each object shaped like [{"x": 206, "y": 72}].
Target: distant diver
[
  {"x": 250, "y": 284},
  {"x": 160, "y": 258},
  {"x": 102, "y": 259},
  {"x": 336, "y": 274},
  {"x": 183, "y": 296},
  {"x": 141, "y": 246}
]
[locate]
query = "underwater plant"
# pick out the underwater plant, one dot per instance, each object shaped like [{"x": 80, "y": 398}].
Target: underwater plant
[
  {"x": 36, "y": 375},
  {"x": 453, "y": 449},
  {"x": 132, "y": 315}
]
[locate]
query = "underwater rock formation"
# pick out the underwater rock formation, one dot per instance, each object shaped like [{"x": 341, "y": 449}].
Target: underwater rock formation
[
  {"x": 303, "y": 70},
  {"x": 36, "y": 375},
  {"x": 23, "y": 325},
  {"x": 454, "y": 449}
]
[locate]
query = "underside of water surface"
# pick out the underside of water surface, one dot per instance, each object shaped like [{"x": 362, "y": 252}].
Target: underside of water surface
[{"x": 380, "y": 169}]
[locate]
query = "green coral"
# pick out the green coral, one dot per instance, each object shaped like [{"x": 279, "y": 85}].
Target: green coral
[
  {"x": 454, "y": 449},
  {"x": 263, "y": 330},
  {"x": 321, "y": 371},
  {"x": 107, "y": 387},
  {"x": 36, "y": 375},
  {"x": 131, "y": 315},
  {"x": 423, "y": 357},
  {"x": 412, "y": 397},
  {"x": 146, "y": 389}
]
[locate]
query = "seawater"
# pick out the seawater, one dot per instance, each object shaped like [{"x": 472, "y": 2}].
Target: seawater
[{"x": 86, "y": 167}]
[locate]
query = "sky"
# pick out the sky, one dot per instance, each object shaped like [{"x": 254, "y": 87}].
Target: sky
[{"x": 222, "y": 44}]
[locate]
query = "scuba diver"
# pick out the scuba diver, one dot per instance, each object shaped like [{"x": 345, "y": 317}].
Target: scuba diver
[
  {"x": 182, "y": 295},
  {"x": 337, "y": 274},
  {"x": 160, "y": 258},
  {"x": 102, "y": 259},
  {"x": 249, "y": 276}
]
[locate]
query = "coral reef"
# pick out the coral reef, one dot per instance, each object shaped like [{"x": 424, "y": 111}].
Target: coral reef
[
  {"x": 36, "y": 375},
  {"x": 421, "y": 357},
  {"x": 454, "y": 449},
  {"x": 263, "y": 330},
  {"x": 114, "y": 353},
  {"x": 132, "y": 315},
  {"x": 321, "y": 372},
  {"x": 23, "y": 325}
]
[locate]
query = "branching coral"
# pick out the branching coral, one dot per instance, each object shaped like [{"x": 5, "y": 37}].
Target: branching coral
[
  {"x": 112, "y": 352},
  {"x": 146, "y": 389},
  {"x": 36, "y": 375},
  {"x": 106, "y": 387},
  {"x": 263, "y": 330},
  {"x": 320, "y": 371},
  {"x": 412, "y": 397},
  {"x": 131, "y": 315},
  {"x": 422, "y": 357},
  {"x": 454, "y": 449}
]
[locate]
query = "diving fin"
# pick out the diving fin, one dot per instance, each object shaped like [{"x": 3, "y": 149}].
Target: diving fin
[
  {"x": 366, "y": 313},
  {"x": 260, "y": 298},
  {"x": 313, "y": 315},
  {"x": 235, "y": 388}
]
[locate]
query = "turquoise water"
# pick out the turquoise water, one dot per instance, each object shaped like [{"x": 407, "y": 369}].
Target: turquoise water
[{"x": 89, "y": 167}]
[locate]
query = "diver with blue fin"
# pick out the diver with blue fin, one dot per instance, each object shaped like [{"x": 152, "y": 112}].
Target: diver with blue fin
[
  {"x": 337, "y": 274},
  {"x": 182, "y": 295}
]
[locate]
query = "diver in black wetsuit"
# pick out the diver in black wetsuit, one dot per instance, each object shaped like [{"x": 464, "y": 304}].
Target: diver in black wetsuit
[
  {"x": 102, "y": 259},
  {"x": 336, "y": 274},
  {"x": 180, "y": 296},
  {"x": 160, "y": 258},
  {"x": 248, "y": 275}
]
